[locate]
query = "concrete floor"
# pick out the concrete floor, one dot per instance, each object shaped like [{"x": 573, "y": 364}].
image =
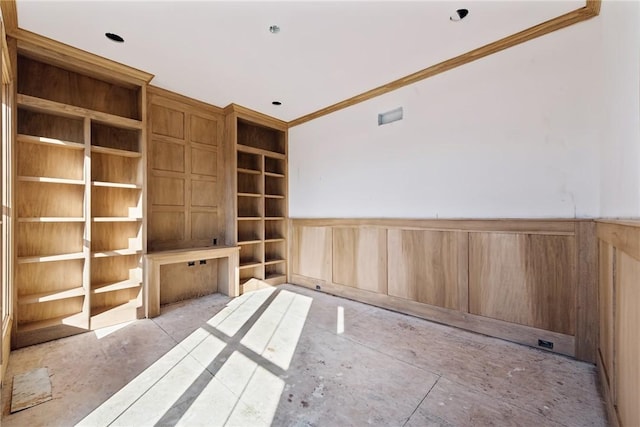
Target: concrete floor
[{"x": 292, "y": 356}]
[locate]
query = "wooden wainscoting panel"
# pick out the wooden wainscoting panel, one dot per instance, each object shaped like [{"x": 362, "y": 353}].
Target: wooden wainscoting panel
[
  {"x": 627, "y": 339},
  {"x": 167, "y": 156},
  {"x": 423, "y": 267},
  {"x": 203, "y": 226},
  {"x": 167, "y": 191},
  {"x": 552, "y": 282},
  {"x": 204, "y": 162},
  {"x": 524, "y": 279},
  {"x": 204, "y": 193},
  {"x": 586, "y": 291},
  {"x": 167, "y": 226},
  {"x": 311, "y": 254},
  {"x": 463, "y": 270},
  {"x": 497, "y": 277},
  {"x": 606, "y": 305},
  {"x": 166, "y": 121},
  {"x": 204, "y": 130},
  {"x": 360, "y": 258},
  {"x": 515, "y": 279}
]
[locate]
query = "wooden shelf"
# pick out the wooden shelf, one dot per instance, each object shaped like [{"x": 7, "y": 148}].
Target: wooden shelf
[
  {"x": 69, "y": 320},
  {"x": 253, "y": 150},
  {"x": 249, "y": 218},
  {"x": 115, "y": 219},
  {"x": 249, "y": 195},
  {"x": 49, "y": 180},
  {"x": 51, "y": 219},
  {"x": 115, "y": 151},
  {"x": 51, "y": 296},
  {"x": 115, "y": 185},
  {"x": 275, "y": 276},
  {"x": 249, "y": 171},
  {"x": 275, "y": 175},
  {"x": 249, "y": 242},
  {"x": 44, "y": 105},
  {"x": 273, "y": 218},
  {"x": 118, "y": 252},
  {"x": 273, "y": 196},
  {"x": 115, "y": 286},
  {"x": 50, "y": 258},
  {"x": 250, "y": 264},
  {"x": 275, "y": 240},
  {"x": 50, "y": 141},
  {"x": 96, "y": 311},
  {"x": 274, "y": 261}
]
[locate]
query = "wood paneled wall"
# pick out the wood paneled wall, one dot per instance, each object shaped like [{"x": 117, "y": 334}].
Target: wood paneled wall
[
  {"x": 520, "y": 280},
  {"x": 185, "y": 179},
  {"x": 619, "y": 301}
]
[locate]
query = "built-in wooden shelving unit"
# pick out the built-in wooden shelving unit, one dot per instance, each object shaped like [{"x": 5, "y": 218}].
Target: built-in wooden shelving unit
[
  {"x": 80, "y": 192},
  {"x": 261, "y": 194}
]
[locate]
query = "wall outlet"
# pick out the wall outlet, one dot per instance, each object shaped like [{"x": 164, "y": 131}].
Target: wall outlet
[{"x": 545, "y": 344}]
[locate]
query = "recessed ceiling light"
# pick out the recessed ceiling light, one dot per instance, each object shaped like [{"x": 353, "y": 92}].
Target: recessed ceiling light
[
  {"x": 274, "y": 29},
  {"x": 114, "y": 37},
  {"x": 277, "y": 103},
  {"x": 459, "y": 15}
]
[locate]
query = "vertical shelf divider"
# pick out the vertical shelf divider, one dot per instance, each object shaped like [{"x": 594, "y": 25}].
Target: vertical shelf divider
[{"x": 86, "y": 244}]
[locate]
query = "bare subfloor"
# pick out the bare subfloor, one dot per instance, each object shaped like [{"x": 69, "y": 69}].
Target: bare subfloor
[{"x": 292, "y": 356}]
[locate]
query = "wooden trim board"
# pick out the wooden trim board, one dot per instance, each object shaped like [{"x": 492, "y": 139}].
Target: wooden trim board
[
  {"x": 587, "y": 292},
  {"x": 56, "y": 53},
  {"x": 531, "y": 226},
  {"x": 590, "y": 10},
  {"x": 6, "y": 347},
  {"x": 199, "y": 105},
  {"x": 607, "y": 393},
  {"x": 624, "y": 235},
  {"x": 9, "y": 15},
  {"x": 256, "y": 117}
]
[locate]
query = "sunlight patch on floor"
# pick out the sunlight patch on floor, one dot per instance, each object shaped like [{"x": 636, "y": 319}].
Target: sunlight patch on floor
[
  {"x": 340, "y": 321},
  {"x": 225, "y": 373},
  {"x": 103, "y": 332},
  {"x": 275, "y": 335}
]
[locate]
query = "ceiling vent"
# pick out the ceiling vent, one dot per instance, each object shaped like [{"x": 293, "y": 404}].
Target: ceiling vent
[{"x": 390, "y": 116}]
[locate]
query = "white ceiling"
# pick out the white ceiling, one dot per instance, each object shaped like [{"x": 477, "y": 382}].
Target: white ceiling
[{"x": 223, "y": 52}]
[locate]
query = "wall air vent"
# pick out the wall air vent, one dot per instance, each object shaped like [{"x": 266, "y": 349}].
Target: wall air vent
[{"x": 390, "y": 116}]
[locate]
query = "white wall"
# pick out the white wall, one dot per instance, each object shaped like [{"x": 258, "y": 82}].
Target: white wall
[
  {"x": 516, "y": 134},
  {"x": 620, "y": 149}
]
